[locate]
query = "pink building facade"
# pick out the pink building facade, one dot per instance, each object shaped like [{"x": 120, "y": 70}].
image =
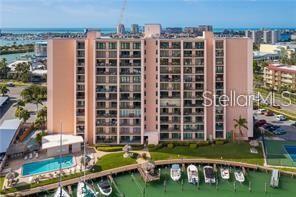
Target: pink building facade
[{"x": 148, "y": 89}]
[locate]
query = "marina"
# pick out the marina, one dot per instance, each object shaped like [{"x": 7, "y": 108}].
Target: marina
[{"x": 255, "y": 184}]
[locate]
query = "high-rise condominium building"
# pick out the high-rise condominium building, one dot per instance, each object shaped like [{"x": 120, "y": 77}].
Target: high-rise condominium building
[
  {"x": 263, "y": 36},
  {"x": 120, "y": 29},
  {"x": 148, "y": 89},
  {"x": 135, "y": 29}
]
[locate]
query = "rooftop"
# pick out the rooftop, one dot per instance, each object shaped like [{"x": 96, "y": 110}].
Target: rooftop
[
  {"x": 7, "y": 132},
  {"x": 283, "y": 67},
  {"x": 3, "y": 99},
  {"x": 51, "y": 141}
]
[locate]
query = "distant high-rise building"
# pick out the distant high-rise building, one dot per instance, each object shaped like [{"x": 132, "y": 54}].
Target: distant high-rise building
[
  {"x": 173, "y": 30},
  {"x": 198, "y": 30},
  {"x": 151, "y": 30},
  {"x": 40, "y": 49},
  {"x": 120, "y": 29},
  {"x": 205, "y": 28},
  {"x": 135, "y": 29},
  {"x": 263, "y": 36}
]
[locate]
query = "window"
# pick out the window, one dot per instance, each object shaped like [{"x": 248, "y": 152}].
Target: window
[
  {"x": 112, "y": 45},
  {"x": 199, "y": 45},
  {"x": 101, "y": 45},
  {"x": 125, "y": 45}
]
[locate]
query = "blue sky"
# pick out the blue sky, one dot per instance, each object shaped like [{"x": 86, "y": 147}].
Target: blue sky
[{"x": 105, "y": 13}]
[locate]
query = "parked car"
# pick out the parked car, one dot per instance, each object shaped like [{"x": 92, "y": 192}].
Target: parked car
[
  {"x": 279, "y": 131},
  {"x": 270, "y": 127},
  {"x": 293, "y": 124},
  {"x": 261, "y": 111},
  {"x": 260, "y": 123},
  {"x": 269, "y": 113},
  {"x": 280, "y": 117}
]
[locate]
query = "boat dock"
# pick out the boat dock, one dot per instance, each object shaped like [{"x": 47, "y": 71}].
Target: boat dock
[{"x": 148, "y": 177}]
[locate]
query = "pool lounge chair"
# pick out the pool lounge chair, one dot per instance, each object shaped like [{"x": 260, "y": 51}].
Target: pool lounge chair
[
  {"x": 36, "y": 155},
  {"x": 26, "y": 157},
  {"x": 30, "y": 156}
]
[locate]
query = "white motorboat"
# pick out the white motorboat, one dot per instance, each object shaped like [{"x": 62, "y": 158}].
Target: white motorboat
[
  {"x": 209, "y": 174},
  {"x": 84, "y": 190},
  {"x": 175, "y": 172},
  {"x": 239, "y": 176},
  {"x": 275, "y": 178},
  {"x": 225, "y": 174},
  {"x": 105, "y": 188},
  {"x": 192, "y": 173},
  {"x": 60, "y": 192}
]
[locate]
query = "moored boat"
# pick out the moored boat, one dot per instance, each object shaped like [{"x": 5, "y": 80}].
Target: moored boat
[
  {"x": 209, "y": 174},
  {"x": 84, "y": 190},
  {"x": 175, "y": 172},
  {"x": 225, "y": 174},
  {"x": 275, "y": 178},
  {"x": 60, "y": 192},
  {"x": 239, "y": 176},
  {"x": 192, "y": 173},
  {"x": 105, "y": 187}
]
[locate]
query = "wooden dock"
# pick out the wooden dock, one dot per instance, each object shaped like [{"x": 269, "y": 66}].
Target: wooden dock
[{"x": 148, "y": 177}]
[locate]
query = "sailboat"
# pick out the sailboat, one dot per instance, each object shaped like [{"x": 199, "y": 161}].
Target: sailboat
[
  {"x": 60, "y": 192},
  {"x": 84, "y": 189}
]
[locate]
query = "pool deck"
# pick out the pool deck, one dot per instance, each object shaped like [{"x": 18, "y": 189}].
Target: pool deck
[{"x": 134, "y": 167}]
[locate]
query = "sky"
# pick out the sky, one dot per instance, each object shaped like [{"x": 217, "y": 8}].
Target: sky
[{"x": 169, "y": 13}]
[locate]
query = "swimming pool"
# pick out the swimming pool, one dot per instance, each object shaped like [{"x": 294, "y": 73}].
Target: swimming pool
[
  {"x": 47, "y": 165},
  {"x": 291, "y": 150}
]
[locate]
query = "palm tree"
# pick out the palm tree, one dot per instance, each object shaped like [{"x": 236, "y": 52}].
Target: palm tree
[
  {"x": 22, "y": 114},
  {"x": 240, "y": 124},
  {"x": 34, "y": 94},
  {"x": 4, "y": 89},
  {"x": 20, "y": 103},
  {"x": 41, "y": 118}
]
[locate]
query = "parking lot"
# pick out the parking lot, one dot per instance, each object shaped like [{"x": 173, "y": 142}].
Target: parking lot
[
  {"x": 285, "y": 125},
  {"x": 8, "y": 112}
]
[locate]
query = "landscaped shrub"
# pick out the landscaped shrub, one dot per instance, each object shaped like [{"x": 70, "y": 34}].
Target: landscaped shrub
[
  {"x": 137, "y": 147},
  {"x": 153, "y": 147},
  {"x": 193, "y": 146},
  {"x": 203, "y": 143},
  {"x": 170, "y": 145},
  {"x": 220, "y": 142},
  {"x": 109, "y": 148}
]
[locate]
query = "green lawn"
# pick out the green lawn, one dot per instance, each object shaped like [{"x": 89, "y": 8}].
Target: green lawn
[
  {"x": 230, "y": 151},
  {"x": 114, "y": 160}
]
